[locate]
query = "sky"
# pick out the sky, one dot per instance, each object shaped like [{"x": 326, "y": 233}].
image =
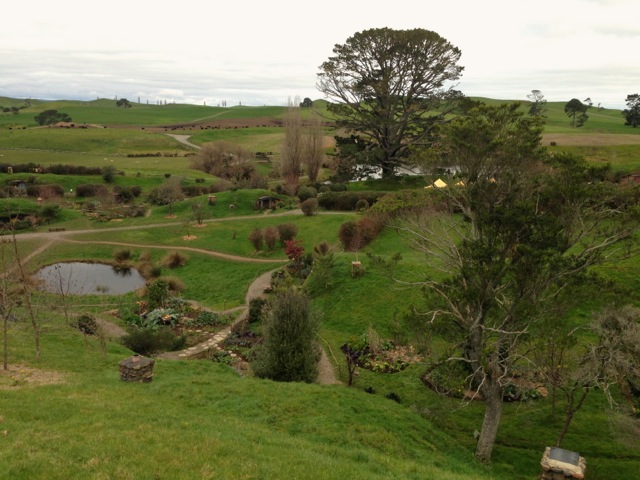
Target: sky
[{"x": 268, "y": 52}]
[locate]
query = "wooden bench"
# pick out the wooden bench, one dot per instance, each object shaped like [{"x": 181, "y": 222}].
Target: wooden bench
[{"x": 57, "y": 229}]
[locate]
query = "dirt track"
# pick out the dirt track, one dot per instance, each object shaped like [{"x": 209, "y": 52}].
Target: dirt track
[{"x": 590, "y": 139}]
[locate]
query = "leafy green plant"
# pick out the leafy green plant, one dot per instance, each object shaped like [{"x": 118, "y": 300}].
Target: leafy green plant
[
  {"x": 205, "y": 318},
  {"x": 149, "y": 341}
]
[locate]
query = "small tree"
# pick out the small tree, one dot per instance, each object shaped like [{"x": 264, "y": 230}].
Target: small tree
[
  {"x": 614, "y": 357},
  {"x": 292, "y": 150},
  {"x": 309, "y": 207},
  {"x": 270, "y": 237},
  {"x": 287, "y": 231},
  {"x": 124, "y": 103},
  {"x": 313, "y": 147},
  {"x": 322, "y": 272},
  {"x": 538, "y": 103},
  {"x": 108, "y": 173},
  {"x": 256, "y": 238},
  {"x": 198, "y": 212},
  {"x": 49, "y": 117},
  {"x": 577, "y": 111},
  {"x": 632, "y": 112},
  {"x": 289, "y": 351},
  {"x": 8, "y": 298}
]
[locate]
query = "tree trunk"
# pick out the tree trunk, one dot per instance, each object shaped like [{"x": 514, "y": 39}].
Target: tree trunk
[
  {"x": 491, "y": 422},
  {"x": 388, "y": 170},
  {"x": 571, "y": 410},
  {"x": 5, "y": 342}
]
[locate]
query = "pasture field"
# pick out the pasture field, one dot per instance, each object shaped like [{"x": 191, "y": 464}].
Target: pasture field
[{"x": 69, "y": 416}]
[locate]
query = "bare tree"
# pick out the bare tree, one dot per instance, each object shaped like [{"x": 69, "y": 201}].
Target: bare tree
[
  {"x": 609, "y": 361},
  {"x": 224, "y": 159},
  {"x": 18, "y": 285},
  {"x": 292, "y": 150},
  {"x": 8, "y": 298},
  {"x": 313, "y": 141}
]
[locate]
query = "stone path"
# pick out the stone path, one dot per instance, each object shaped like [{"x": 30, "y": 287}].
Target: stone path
[
  {"x": 326, "y": 374},
  {"x": 256, "y": 290}
]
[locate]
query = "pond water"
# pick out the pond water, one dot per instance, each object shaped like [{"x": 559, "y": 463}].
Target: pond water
[{"x": 80, "y": 278}]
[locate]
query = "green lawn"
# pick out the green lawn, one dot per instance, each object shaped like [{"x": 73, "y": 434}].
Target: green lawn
[{"x": 198, "y": 419}]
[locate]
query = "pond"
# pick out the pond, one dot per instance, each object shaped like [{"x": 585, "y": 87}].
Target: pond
[{"x": 80, "y": 278}]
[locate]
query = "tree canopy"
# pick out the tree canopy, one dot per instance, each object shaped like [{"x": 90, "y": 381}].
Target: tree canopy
[
  {"x": 538, "y": 103},
  {"x": 391, "y": 87},
  {"x": 632, "y": 112},
  {"x": 124, "y": 103},
  {"x": 577, "y": 111},
  {"x": 517, "y": 234},
  {"x": 49, "y": 117}
]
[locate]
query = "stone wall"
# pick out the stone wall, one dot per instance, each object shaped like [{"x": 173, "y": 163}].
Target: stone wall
[{"x": 137, "y": 369}]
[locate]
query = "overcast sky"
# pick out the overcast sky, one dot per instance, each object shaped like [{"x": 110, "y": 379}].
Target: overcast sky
[{"x": 263, "y": 52}]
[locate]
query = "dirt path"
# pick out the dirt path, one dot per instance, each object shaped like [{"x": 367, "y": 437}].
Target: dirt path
[
  {"x": 184, "y": 139},
  {"x": 326, "y": 374},
  {"x": 213, "y": 253}
]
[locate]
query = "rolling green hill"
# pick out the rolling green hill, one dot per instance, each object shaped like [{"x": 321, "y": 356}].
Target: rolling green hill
[{"x": 68, "y": 416}]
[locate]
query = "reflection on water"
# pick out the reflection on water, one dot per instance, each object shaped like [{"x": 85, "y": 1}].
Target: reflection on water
[{"x": 89, "y": 278}]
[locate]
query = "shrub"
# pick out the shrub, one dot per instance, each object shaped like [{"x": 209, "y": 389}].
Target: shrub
[
  {"x": 309, "y": 207},
  {"x": 122, "y": 255},
  {"x": 160, "y": 316},
  {"x": 346, "y": 201},
  {"x": 49, "y": 212},
  {"x": 287, "y": 231},
  {"x": 305, "y": 193},
  {"x": 256, "y": 238},
  {"x": 91, "y": 190},
  {"x": 205, "y": 319},
  {"x": 370, "y": 227},
  {"x": 289, "y": 351},
  {"x": 355, "y": 235},
  {"x": 146, "y": 341},
  {"x": 396, "y": 203},
  {"x": 174, "y": 285},
  {"x": 148, "y": 270},
  {"x": 87, "y": 325},
  {"x": 157, "y": 293},
  {"x": 145, "y": 257},
  {"x": 348, "y": 233},
  {"x": 108, "y": 173},
  {"x": 174, "y": 260},
  {"x": 362, "y": 205},
  {"x": 256, "y": 306},
  {"x": 270, "y": 235},
  {"x": 45, "y": 191}
]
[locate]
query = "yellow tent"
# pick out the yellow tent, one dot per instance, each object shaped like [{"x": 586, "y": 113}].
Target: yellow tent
[{"x": 439, "y": 184}]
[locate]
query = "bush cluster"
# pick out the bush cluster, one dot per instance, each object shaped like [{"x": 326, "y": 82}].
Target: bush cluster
[
  {"x": 91, "y": 190},
  {"x": 270, "y": 235},
  {"x": 357, "y": 234},
  {"x": 47, "y": 191},
  {"x": 148, "y": 341},
  {"x": 346, "y": 201}
]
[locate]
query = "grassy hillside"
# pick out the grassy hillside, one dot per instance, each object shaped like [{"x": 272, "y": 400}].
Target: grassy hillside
[{"x": 69, "y": 416}]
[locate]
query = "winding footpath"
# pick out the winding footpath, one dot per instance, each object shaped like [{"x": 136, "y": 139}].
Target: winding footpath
[{"x": 326, "y": 373}]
